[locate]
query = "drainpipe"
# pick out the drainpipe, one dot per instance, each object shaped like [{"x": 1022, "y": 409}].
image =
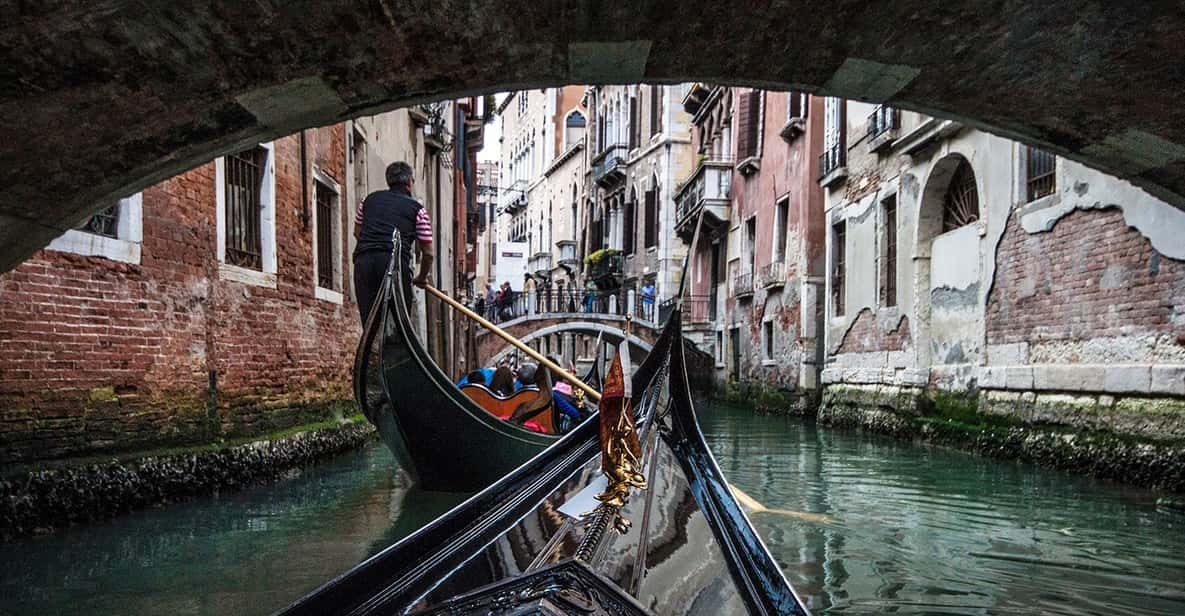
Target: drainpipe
[{"x": 304, "y": 183}]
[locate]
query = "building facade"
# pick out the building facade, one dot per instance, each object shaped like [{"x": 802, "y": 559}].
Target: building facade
[
  {"x": 218, "y": 303},
  {"x": 640, "y": 149},
  {"x": 752, "y": 211},
  {"x": 963, "y": 262}
]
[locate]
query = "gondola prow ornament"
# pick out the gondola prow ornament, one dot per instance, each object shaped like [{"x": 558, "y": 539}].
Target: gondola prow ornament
[{"x": 620, "y": 449}]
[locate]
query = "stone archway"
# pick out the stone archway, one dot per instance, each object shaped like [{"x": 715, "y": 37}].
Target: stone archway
[
  {"x": 947, "y": 263},
  {"x": 110, "y": 98}
]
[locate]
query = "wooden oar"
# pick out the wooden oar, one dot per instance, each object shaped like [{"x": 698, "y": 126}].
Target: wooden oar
[
  {"x": 537, "y": 356},
  {"x": 751, "y": 503}
]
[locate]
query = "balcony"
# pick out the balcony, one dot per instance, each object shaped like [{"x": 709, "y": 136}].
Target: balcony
[
  {"x": 831, "y": 164},
  {"x": 609, "y": 165},
  {"x": 568, "y": 258},
  {"x": 742, "y": 285},
  {"x": 882, "y": 128},
  {"x": 773, "y": 276},
  {"x": 708, "y": 189},
  {"x": 514, "y": 197},
  {"x": 540, "y": 263},
  {"x": 697, "y": 94}
]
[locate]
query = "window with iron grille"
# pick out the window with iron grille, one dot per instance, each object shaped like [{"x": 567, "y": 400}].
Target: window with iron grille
[
  {"x": 327, "y": 221},
  {"x": 1040, "y": 178},
  {"x": 839, "y": 266},
  {"x": 243, "y": 187},
  {"x": 105, "y": 222},
  {"x": 889, "y": 256},
  {"x": 960, "y": 207}
]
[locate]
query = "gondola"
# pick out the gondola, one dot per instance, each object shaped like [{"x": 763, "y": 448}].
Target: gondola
[
  {"x": 526, "y": 544},
  {"x": 441, "y": 436}
]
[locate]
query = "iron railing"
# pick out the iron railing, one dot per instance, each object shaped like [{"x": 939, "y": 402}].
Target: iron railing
[
  {"x": 742, "y": 284},
  {"x": 608, "y": 160},
  {"x": 105, "y": 222},
  {"x": 831, "y": 159},
  {"x": 1041, "y": 169},
  {"x": 883, "y": 120}
]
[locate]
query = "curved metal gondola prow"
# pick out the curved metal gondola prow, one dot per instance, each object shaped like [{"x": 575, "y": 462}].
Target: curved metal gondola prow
[
  {"x": 364, "y": 378},
  {"x": 756, "y": 574}
]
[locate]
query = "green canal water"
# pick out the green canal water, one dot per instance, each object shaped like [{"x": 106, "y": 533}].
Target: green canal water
[{"x": 909, "y": 529}]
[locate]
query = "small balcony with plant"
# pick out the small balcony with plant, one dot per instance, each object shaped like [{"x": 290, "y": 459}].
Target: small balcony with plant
[{"x": 606, "y": 267}]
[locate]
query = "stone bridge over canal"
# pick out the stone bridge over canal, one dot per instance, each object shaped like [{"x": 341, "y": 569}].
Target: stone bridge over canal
[{"x": 567, "y": 334}]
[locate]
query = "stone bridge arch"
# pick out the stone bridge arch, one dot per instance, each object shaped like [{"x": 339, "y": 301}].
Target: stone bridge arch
[
  {"x": 106, "y": 99},
  {"x": 534, "y": 329}
]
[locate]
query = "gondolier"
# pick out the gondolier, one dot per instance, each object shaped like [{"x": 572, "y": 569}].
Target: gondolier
[{"x": 378, "y": 218}]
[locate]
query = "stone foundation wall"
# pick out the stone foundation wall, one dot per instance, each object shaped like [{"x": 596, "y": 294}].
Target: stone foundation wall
[
  {"x": 39, "y": 501},
  {"x": 1134, "y": 440}
]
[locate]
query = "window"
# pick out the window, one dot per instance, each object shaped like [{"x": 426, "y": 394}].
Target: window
[
  {"x": 833, "y": 136},
  {"x": 655, "y": 110},
  {"x": 328, "y": 236},
  {"x": 781, "y": 229},
  {"x": 719, "y": 347},
  {"x": 631, "y": 217},
  {"x": 749, "y": 124},
  {"x": 573, "y": 128},
  {"x": 635, "y": 131},
  {"x": 796, "y": 106},
  {"x": 1039, "y": 173},
  {"x": 889, "y": 252},
  {"x": 751, "y": 243},
  {"x": 960, "y": 206},
  {"x": 651, "y": 217},
  {"x": 767, "y": 331},
  {"x": 245, "y": 185},
  {"x": 113, "y": 233},
  {"x": 838, "y": 265}
]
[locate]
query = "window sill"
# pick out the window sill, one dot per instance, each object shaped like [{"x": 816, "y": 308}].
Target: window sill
[
  {"x": 767, "y": 363},
  {"x": 749, "y": 165},
  {"x": 329, "y": 295},
  {"x": 252, "y": 277},
  {"x": 792, "y": 129},
  {"x": 835, "y": 178},
  {"x": 91, "y": 245}
]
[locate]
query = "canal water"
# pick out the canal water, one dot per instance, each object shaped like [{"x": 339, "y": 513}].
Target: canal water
[{"x": 861, "y": 525}]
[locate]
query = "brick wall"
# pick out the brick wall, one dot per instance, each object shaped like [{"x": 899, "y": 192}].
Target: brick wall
[
  {"x": 98, "y": 356},
  {"x": 1091, "y": 276},
  {"x": 865, "y": 335}
]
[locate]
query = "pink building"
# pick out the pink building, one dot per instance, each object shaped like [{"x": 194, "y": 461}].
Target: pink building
[{"x": 758, "y": 262}]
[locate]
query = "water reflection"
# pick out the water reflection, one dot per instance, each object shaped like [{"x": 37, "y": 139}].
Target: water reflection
[
  {"x": 247, "y": 553},
  {"x": 924, "y": 530}
]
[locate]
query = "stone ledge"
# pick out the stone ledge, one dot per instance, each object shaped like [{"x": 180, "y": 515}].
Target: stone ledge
[
  {"x": 38, "y": 501},
  {"x": 1089, "y": 378}
]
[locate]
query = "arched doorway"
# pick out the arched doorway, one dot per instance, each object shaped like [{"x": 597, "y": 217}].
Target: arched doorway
[{"x": 948, "y": 260}]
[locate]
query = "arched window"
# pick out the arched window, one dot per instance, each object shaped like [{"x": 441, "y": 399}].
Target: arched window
[
  {"x": 573, "y": 127},
  {"x": 960, "y": 206}
]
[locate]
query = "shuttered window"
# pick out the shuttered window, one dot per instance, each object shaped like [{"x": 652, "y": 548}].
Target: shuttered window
[
  {"x": 655, "y": 110},
  {"x": 651, "y": 205},
  {"x": 839, "y": 266},
  {"x": 748, "y": 124},
  {"x": 634, "y": 129}
]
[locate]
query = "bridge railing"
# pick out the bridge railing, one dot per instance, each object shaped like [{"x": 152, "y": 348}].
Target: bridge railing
[{"x": 544, "y": 301}]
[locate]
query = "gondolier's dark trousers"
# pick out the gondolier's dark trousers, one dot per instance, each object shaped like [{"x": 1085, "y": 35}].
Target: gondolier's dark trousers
[{"x": 369, "y": 268}]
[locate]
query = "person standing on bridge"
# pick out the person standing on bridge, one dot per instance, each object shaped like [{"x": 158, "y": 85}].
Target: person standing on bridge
[{"x": 378, "y": 218}]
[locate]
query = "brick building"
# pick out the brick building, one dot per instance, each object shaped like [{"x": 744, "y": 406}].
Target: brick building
[{"x": 219, "y": 303}]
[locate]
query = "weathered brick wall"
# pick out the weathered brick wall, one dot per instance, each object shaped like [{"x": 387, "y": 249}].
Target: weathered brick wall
[
  {"x": 101, "y": 356},
  {"x": 865, "y": 335},
  {"x": 1090, "y": 277}
]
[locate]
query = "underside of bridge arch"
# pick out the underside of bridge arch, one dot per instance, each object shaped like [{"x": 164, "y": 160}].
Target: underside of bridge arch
[
  {"x": 491, "y": 348},
  {"x": 101, "y": 99}
]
